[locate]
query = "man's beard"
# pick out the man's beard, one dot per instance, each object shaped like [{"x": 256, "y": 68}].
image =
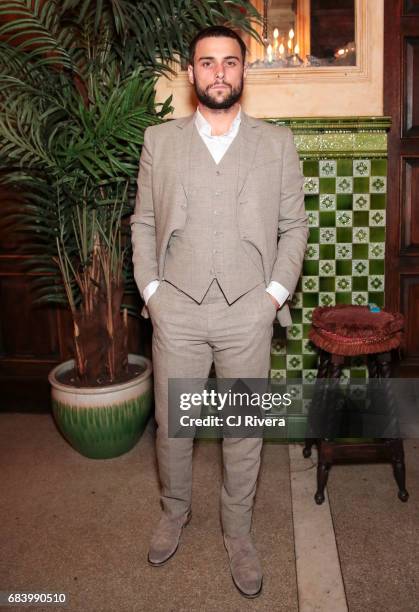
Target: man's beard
[{"x": 205, "y": 99}]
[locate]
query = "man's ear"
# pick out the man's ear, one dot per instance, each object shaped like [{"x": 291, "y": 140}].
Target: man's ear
[{"x": 191, "y": 74}]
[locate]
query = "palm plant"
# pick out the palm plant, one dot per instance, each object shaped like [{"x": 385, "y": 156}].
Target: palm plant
[{"x": 77, "y": 82}]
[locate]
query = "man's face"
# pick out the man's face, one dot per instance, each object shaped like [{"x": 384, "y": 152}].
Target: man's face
[{"x": 218, "y": 72}]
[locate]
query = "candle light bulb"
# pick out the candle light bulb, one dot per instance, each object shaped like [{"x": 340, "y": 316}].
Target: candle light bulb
[
  {"x": 281, "y": 49},
  {"x": 296, "y": 49},
  {"x": 269, "y": 53},
  {"x": 291, "y": 34},
  {"x": 276, "y": 33},
  {"x": 289, "y": 44}
]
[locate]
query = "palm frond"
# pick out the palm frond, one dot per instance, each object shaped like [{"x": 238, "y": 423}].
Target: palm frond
[
  {"x": 34, "y": 26},
  {"x": 77, "y": 92}
]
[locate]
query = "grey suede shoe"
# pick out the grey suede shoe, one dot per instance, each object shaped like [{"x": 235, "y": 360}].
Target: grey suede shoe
[
  {"x": 245, "y": 566},
  {"x": 165, "y": 540}
]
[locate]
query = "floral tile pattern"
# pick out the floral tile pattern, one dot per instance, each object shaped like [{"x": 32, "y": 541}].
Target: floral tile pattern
[
  {"x": 378, "y": 184},
  {"x": 344, "y": 260},
  {"x": 361, "y": 167},
  {"x": 311, "y": 185},
  {"x": 327, "y": 235},
  {"x": 327, "y": 168},
  {"x": 344, "y": 251},
  {"x": 361, "y": 201},
  {"x": 344, "y": 219},
  {"x": 328, "y": 201},
  {"x": 344, "y": 184}
]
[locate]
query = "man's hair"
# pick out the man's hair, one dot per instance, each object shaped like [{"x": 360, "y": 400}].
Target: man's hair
[{"x": 215, "y": 32}]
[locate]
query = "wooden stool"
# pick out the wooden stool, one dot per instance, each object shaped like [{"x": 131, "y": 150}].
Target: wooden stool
[{"x": 340, "y": 331}]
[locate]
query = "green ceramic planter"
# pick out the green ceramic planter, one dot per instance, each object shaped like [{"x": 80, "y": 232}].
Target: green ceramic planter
[{"x": 103, "y": 422}]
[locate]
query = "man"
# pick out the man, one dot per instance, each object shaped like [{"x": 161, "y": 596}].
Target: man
[{"x": 214, "y": 190}]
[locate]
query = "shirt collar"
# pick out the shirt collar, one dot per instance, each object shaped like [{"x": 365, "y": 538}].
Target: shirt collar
[{"x": 205, "y": 128}]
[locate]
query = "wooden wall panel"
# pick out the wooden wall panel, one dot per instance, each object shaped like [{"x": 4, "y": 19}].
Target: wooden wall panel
[
  {"x": 25, "y": 331},
  {"x": 410, "y": 207},
  {"x": 411, "y": 86},
  {"x": 401, "y": 102},
  {"x": 410, "y": 306},
  {"x": 411, "y": 7}
]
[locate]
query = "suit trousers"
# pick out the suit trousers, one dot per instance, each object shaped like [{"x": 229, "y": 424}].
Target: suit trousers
[{"x": 187, "y": 337}]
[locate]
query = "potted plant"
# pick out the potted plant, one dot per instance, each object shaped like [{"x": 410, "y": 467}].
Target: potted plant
[{"x": 77, "y": 85}]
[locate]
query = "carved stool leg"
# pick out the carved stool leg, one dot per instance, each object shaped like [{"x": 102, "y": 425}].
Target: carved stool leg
[
  {"x": 324, "y": 364},
  {"x": 399, "y": 469},
  {"x": 396, "y": 444},
  {"x": 335, "y": 370},
  {"x": 322, "y": 371},
  {"x": 308, "y": 443},
  {"x": 325, "y": 460},
  {"x": 323, "y": 468},
  {"x": 373, "y": 367},
  {"x": 384, "y": 364}
]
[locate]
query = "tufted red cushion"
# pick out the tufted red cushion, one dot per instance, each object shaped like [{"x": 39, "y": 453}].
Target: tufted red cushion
[{"x": 354, "y": 330}]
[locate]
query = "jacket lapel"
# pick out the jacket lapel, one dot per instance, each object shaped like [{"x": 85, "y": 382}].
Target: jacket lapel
[
  {"x": 250, "y": 134},
  {"x": 182, "y": 149}
]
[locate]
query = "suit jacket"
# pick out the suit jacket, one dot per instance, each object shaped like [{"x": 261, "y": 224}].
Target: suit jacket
[{"x": 270, "y": 200}]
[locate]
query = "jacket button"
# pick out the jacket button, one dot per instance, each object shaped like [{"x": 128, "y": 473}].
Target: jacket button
[{"x": 183, "y": 206}]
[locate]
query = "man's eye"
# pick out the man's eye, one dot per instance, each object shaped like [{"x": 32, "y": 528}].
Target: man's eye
[
  {"x": 206, "y": 64},
  {"x": 232, "y": 63}
]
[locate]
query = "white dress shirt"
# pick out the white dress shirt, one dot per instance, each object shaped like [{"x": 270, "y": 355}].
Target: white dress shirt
[{"x": 217, "y": 146}]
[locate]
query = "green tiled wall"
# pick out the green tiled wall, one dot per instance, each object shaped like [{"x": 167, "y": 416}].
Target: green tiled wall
[{"x": 345, "y": 198}]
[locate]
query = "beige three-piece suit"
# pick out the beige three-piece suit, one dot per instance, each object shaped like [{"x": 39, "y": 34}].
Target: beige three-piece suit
[{"x": 209, "y": 233}]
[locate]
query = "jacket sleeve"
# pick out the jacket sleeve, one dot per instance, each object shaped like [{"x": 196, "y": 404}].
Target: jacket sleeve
[
  {"x": 143, "y": 229},
  {"x": 292, "y": 225}
]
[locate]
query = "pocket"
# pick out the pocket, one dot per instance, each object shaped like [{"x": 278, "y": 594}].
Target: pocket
[
  {"x": 266, "y": 297},
  {"x": 156, "y": 295}
]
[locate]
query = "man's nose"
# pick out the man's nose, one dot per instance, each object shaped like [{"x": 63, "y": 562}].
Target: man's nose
[{"x": 219, "y": 72}]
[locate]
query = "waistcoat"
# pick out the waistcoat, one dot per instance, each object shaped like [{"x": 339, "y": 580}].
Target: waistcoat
[{"x": 209, "y": 245}]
